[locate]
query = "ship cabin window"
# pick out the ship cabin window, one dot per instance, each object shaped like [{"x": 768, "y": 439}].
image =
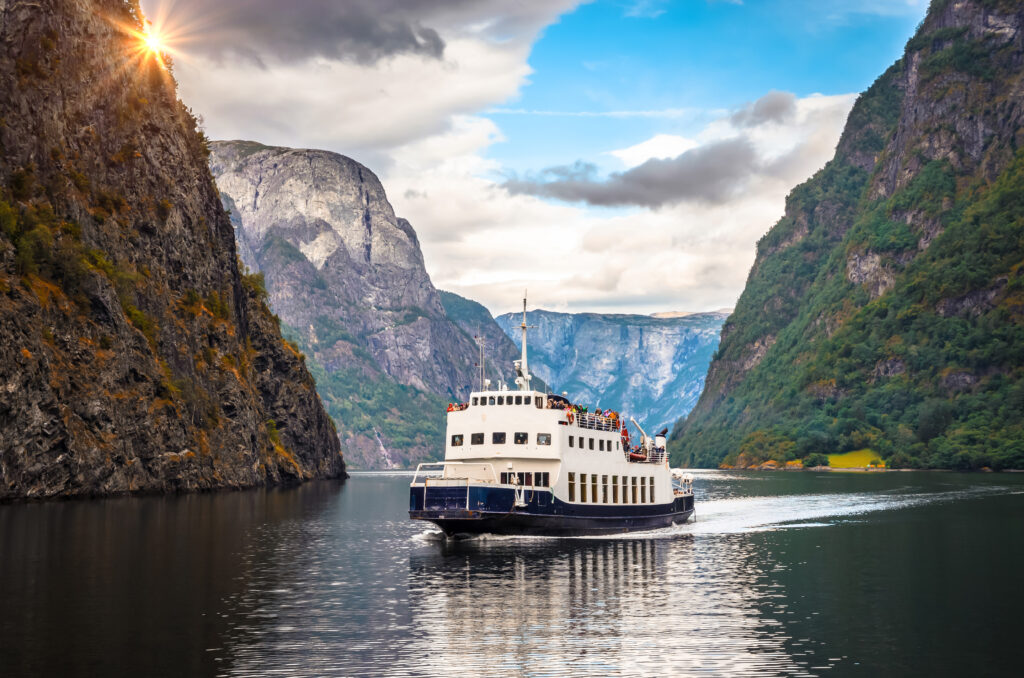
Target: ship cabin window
[
  {"x": 526, "y": 400},
  {"x": 501, "y": 400},
  {"x": 650, "y": 484},
  {"x": 492, "y": 400},
  {"x": 543, "y": 438},
  {"x": 504, "y": 477},
  {"x": 604, "y": 489},
  {"x": 542, "y": 479},
  {"x": 519, "y": 400},
  {"x": 525, "y": 478},
  {"x": 583, "y": 488},
  {"x": 476, "y": 439},
  {"x": 457, "y": 440},
  {"x": 498, "y": 438},
  {"x": 616, "y": 445},
  {"x": 539, "y": 402},
  {"x": 634, "y": 491},
  {"x": 570, "y": 441},
  {"x": 572, "y": 487},
  {"x": 593, "y": 486},
  {"x": 615, "y": 489},
  {"x": 521, "y": 438},
  {"x": 625, "y": 490},
  {"x": 643, "y": 490},
  {"x": 508, "y": 400},
  {"x": 591, "y": 443},
  {"x": 476, "y": 401}
]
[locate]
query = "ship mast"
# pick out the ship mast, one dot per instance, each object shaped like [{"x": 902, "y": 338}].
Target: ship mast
[{"x": 522, "y": 368}]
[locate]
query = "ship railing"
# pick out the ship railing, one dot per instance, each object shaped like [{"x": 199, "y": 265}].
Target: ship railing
[
  {"x": 431, "y": 479},
  {"x": 655, "y": 456},
  {"x": 440, "y": 476},
  {"x": 595, "y": 422}
]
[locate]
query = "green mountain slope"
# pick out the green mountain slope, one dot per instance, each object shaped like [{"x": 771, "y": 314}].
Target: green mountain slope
[{"x": 886, "y": 309}]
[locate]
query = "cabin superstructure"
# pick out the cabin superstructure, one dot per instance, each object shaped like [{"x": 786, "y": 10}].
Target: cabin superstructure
[{"x": 524, "y": 461}]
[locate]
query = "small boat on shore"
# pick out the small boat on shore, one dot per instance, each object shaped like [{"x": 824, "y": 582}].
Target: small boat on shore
[{"x": 533, "y": 463}]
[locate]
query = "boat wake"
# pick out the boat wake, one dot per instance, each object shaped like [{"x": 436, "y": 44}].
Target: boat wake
[{"x": 767, "y": 513}]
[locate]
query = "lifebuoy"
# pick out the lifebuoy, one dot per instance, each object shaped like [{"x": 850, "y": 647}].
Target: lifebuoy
[{"x": 569, "y": 417}]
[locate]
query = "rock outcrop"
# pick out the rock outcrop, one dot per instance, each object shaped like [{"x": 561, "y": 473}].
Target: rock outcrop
[
  {"x": 649, "y": 367},
  {"x": 134, "y": 355},
  {"x": 346, "y": 276},
  {"x": 880, "y": 309}
]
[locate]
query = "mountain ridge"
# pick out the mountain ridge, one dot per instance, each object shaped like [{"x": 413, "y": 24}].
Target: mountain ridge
[
  {"x": 135, "y": 356},
  {"x": 883, "y": 309}
]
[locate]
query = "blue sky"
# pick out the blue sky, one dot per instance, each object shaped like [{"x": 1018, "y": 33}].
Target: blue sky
[
  {"x": 615, "y": 155},
  {"x": 702, "y": 56}
]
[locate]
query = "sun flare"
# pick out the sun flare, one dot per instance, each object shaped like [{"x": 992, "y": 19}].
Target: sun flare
[{"x": 153, "y": 42}]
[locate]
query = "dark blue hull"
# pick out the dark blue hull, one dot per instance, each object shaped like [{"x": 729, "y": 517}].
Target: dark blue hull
[{"x": 492, "y": 510}]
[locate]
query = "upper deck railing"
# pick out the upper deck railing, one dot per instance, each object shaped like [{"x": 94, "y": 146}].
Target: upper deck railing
[{"x": 595, "y": 422}]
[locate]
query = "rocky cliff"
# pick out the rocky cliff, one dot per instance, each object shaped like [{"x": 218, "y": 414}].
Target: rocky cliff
[
  {"x": 884, "y": 310},
  {"x": 347, "y": 278},
  {"x": 134, "y": 355},
  {"x": 649, "y": 367}
]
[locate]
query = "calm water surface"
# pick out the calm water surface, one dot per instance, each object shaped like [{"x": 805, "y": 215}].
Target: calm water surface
[{"x": 782, "y": 574}]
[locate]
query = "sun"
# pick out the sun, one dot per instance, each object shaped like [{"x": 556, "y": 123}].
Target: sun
[{"x": 153, "y": 42}]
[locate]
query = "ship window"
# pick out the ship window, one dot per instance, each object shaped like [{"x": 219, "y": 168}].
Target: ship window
[
  {"x": 591, "y": 443},
  {"x": 625, "y": 490},
  {"x": 634, "y": 491},
  {"x": 543, "y": 438},
  {"x": 476, "y": 401},
  {"x": 504, "y": 477},
  {"x": 539, "y": 402},
  {"x": 650, "y": 483},
  {"x": 615, "y": 489},
  {"x": 501, "y": 400},
  {"x": 508, "y": 400},
  {"x": 529, "y": 479},
  {"x": 483, "y": 402},
  {"x": 541, "y": 478},
  {"x": 522, "y": 438},
  {"x": 492, "y": 400},
  {"x": 643, "y": 490},
  {"x": 583, "y": 488},
  {"x": 457, "y": 440},
  {"x": 526, "y": 400},
  {"x": 519, "y": 400},
  {"x": 476, "y": 439},
  {"x": 593, "y": 486},
  {"x": 604, "y": 489},
  {"x": 570, "y": 441},
  {"x": 572, "y": 487},
  {"x": 498, "y": 438}
]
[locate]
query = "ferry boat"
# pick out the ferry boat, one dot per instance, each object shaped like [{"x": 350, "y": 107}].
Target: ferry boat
[{"x": 528, "y": 462}]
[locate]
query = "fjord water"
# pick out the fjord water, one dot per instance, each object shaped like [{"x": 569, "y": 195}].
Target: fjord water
[{"x": 781, "y": 574}]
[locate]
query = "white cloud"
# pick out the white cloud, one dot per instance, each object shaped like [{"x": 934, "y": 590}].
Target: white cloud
[
  {"x": 485, "y": 243},
  {"x": 658, "y": 146},
  {"x": 417, "y": 121}
]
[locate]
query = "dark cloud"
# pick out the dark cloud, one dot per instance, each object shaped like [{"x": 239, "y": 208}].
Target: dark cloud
[
  {"x": 285, "y": 31},
  {"x": 774, "y": 106},
  {"x": 710, "y": 174}
]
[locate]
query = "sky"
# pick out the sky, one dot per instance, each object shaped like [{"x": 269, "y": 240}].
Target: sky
[{"x": 617, "y": 156}]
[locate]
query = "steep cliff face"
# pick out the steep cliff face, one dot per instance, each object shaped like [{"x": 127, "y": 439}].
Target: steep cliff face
[
  {"x": 134, "y": 356},
  {"x": 649, "y": 367},
  {"x": 347, "y": 278},
  {"x": 884, "y": 310}
]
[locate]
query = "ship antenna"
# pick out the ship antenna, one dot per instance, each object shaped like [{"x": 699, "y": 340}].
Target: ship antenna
[
  {"x": 483, "y": 358},
  {"x": 522, "y": 367}
]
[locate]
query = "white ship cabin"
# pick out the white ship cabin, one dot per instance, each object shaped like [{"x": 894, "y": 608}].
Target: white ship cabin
[{"x": 536, "y": 441}]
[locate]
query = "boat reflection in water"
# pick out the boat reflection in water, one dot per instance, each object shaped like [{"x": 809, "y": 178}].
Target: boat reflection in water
[{"x": 590, "y": 607}]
